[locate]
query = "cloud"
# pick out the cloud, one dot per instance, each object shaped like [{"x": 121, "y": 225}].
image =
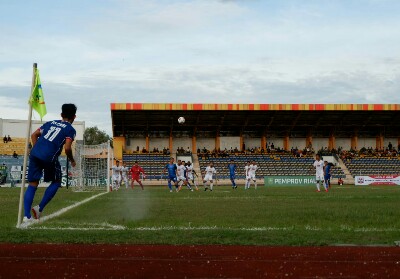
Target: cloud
[{"x": 203, "y": 51}]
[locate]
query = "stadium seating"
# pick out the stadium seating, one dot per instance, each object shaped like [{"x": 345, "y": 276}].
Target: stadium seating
[
  {"x": 268, "y": 165},
  {"x": 152, "y": 164},
  {"x": 17, "y": 145},
  {"x": 373, "y": 166}
]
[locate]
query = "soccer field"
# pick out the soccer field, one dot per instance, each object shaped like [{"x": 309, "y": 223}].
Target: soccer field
[{"x": 266, "y": 216}]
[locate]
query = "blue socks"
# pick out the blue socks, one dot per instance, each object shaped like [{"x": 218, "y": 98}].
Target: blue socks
[
  {"x": 28, "y": 200},
  {"x": 170, "y": 185},
  {"x": 49, "y": 194}
]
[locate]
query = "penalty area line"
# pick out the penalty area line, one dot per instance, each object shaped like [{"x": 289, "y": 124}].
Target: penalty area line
[{"x": 59, "y": 212}]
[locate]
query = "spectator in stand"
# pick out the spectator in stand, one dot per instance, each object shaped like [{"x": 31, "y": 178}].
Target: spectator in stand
[
  {"x": 272, "y": 146},
  {"x": 144, "y": 150},
  {"x": 390, "y": 145},
  {"x": 9, "y": 138},
  {"x": 340, "y": 181},
  {"x": 5, "y": 139},
  {"x": 198, "y": 151},
  {"x": 15, "y": 155},
  {"x": 137, "y": 148}
]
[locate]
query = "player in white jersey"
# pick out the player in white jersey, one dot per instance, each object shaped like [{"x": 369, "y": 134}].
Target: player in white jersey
[
  {"x": 252, "y": 174},
  {"x": 190, "y": 174},
  {"x": 319, "y": 171},
  {"x": 182, "y": 179},
  {"x": 247, "y": 173},
  {"x": 116, "y": 175},
  {"x": 208, "y": 177},
  {"x": 125, "y": 172}
]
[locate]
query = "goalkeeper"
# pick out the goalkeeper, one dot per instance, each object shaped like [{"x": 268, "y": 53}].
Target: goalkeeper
[{"x": 48, "y": 142}]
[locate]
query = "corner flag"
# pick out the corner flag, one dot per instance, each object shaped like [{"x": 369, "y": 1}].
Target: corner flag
[{"x": 37, "y": 98}]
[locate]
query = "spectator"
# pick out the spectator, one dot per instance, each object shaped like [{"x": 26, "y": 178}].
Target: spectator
[
  {"x": 272, "y": 146},
  {"x": 9, "y": 138},
  {"x": 5, "y": 139},
  {"x": 144, "y": 150},
  {"x": 340, "y": 181},
  {"x": 390, "y": 145},
  {"x": 137, "y": 148},
  {"x": 15, "y": 155},
  {"x": 198, "y": 150},
  {"x": 188, "y": 150}
]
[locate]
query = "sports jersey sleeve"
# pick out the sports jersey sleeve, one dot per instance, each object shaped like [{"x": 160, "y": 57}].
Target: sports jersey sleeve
[{"x": 71, "y": 134}]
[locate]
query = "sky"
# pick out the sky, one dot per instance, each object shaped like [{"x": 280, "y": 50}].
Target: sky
[{"x": 93, "y": 53}]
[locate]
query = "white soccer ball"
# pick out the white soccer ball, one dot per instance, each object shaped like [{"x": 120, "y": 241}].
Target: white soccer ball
[{"x": 181, "y": 120}]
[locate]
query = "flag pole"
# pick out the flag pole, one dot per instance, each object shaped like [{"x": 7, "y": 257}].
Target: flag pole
[{"x": 28, "y": 135}]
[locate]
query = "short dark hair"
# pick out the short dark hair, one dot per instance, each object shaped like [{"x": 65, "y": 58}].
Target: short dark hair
[
  {"x": 68, "y": 111},
  {"x": 136, "y": 162}
]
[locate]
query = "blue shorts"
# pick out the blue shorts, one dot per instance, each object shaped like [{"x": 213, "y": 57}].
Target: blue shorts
[
  {"x": 172, "y": 178},
  {"x": 327, "y": 177},
  {"x": 38, "y": 168},
  {"x": 232, "y": 176}
]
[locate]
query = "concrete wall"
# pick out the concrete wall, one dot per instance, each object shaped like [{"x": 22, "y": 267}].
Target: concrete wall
[
  {"x": 251, "y": 142},
  {"x": 182, "y": 142},
  {"x": 345, "y": 143},
  {"x": 278, "y": 142},
  {"x": 159, "y": 143},
  {"x": 366, "y": 142},
  {"x": 17, "y": 128},
  {"x": 300, "y": 143},
  {"x": 208, "y": 143},
  {"x": 134, "y": 142},
  {"x": 228, "y": 142},
  {"x": 319, "y": 143},
  {"x": 392, "y": 140}
]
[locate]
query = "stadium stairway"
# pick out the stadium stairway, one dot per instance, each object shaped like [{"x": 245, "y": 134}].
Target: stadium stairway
[
  {"x": 196, "y": 164},
  {"x": 349, "y": 179}
]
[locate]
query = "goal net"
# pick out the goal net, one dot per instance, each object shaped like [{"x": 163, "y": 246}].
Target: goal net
[{"x": 92, "y": 171}]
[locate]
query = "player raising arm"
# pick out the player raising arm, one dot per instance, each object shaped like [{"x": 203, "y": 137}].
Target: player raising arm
[
  {"x": 208, "y": 177},
  {"x": 172, "y": 176},
  {"x": 48, "y": 142},
  {"x": 319, "y": 171},
  {"x": 136, "y": 170}
]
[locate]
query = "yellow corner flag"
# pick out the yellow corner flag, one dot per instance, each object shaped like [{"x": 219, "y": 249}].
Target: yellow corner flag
[{"x": 37, "y": 98}]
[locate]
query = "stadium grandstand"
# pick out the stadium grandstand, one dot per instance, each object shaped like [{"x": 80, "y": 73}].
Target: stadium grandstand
[{"x": 282, "y": 138}]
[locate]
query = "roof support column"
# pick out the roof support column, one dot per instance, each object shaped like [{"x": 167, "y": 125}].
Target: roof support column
[
  {"x": 171, "y": 143},
  {"x": 309, "y": 141},
  {"x": 194, "y": 145},
  {"x": 354, "y": 142},
  {"x": 332, "y": 142},
  {"x": 217, "y": 142},
  {"x": 286, "y": 143},
  {"x": 264, "y": 142},
  {"x": 147, "y": 143},
  {"x": 379, "y": 142}
]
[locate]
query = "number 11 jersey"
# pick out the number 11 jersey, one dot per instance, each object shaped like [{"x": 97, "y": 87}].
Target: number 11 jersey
[{"x": 52, "y": 140}]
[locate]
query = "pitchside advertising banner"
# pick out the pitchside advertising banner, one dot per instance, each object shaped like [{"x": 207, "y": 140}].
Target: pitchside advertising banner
[
  {"x": 377, "y": 180},
  {"x": 303, "y": 180}
]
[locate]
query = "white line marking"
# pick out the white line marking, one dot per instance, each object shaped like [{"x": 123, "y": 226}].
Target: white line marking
[{"x": 58, "y": 213}]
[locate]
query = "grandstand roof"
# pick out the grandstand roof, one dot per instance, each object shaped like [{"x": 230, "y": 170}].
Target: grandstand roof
[{"x": 296, "y": 120}]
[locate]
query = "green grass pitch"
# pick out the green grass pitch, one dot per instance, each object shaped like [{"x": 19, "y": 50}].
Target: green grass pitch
[{"x": 266, "y": 216}]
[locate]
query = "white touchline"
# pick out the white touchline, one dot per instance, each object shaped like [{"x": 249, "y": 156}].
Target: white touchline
[{"x": 61, "y": 211}]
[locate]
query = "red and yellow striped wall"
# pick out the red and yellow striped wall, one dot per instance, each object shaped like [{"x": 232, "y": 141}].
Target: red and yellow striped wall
[{"x": 256, "y": 107}]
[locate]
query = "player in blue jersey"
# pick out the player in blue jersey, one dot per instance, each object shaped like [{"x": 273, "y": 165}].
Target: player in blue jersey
[
  {"x": 327, "y": 175},
  {"x": 48, "y": 142},
  {"x": 232, "y": 173},
  {"x": 172, "y": 177}
]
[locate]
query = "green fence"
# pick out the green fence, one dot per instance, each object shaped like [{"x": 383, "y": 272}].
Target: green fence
[{"x": 299, "y": 180}]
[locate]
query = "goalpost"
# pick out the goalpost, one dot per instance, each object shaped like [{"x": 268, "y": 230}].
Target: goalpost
[{"x": 92, "y": 170}]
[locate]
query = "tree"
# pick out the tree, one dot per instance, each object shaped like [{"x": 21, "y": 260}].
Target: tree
[{"x": 93, "y": 136}]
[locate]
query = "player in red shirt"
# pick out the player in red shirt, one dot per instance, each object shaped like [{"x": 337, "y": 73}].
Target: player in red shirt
[{"x": 135, "y": 172}]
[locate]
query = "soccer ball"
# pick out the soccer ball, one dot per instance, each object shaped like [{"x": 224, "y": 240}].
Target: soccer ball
[{"x": 181, "y": 120}]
